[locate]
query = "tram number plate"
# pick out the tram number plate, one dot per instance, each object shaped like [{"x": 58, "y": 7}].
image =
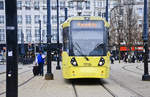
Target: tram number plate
[{"x": 87, "y": 64}]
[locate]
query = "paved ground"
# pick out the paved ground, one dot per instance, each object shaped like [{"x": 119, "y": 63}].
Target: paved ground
[
  {"x": 125, "y": 81},
  {"x": 2, "y": 68}
]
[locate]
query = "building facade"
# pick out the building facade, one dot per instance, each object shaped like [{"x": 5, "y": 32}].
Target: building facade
[{"x": 32, "y": 12}]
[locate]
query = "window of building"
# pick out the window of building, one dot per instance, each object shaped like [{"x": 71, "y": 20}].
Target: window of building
[
  {"x": 20, "y": 36},
  {"x": 140, "y": 10},
  {"x": 28, "y": 19},
  {"x": 99, "y": 14},
  {"x": 54, "y": 5},
  {"x": 62, "y": 4},
  {"x": 36, "y": 19},
  {"x": 37, "y": 35},
  {"x": 79, "y": 5},
  {"x": 1, "y": 5},
  {"x": 62, "y": 19},
  {"x": 140, "y": 22},
  {"x": 44, "y": 19},
  {"x": 1, "y": 19},
  {"x": 87, "y": 3},
  {"x": 140, "y": 0},
  {"x": 44, "y": 36},
  {"x": 54, "y": 37},
  {"x": 103, "y": 14},
  {"x": 28, "y": 5},
  {"x": 54, "y": 19},
  {"x": 19, "y": 19},
  {"x": 99, "y": 4},
  {"x": 2, "y": 35},
  {"x": 19, "y": 5},
  {"x": 44, "y": 4},
  {"x": 70, "y": 4},
  {"x": 36, "y": 5},
  {"x": 28, "y": 35}
]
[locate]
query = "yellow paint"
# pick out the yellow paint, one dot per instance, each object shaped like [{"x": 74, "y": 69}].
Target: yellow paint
[
  {"x": 85, "y": 69},
  {"x": 82, "y": 70},
  {"x": 67, "y": 22}
]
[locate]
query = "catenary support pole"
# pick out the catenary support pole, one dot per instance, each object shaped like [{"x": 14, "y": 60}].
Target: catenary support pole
[
  {"x": 12, "y": 47},
  {"x": 58, "y": 44},
  {"x": 40, "y": 35},
  {"x": 66, "y": 13},
  {"x": 146, "y": 76},
  {"x": 106, "y": 10},
  {"x": 49, "y": 74}
]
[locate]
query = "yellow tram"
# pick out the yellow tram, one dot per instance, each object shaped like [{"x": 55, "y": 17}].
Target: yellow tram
[{"x": 85, "y": 48}]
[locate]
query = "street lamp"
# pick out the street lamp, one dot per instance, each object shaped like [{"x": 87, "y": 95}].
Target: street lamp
[{"x": 146, "y": 76}]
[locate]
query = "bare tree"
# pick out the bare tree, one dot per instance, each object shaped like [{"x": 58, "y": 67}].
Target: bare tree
[{"x": 124, "y": 25}]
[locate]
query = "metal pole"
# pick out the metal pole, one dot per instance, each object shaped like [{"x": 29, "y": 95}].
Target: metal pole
[
  {"x": 22, "y": 47},
  {"x": 146, "y": 76},
  {"x": 49, "y": 74},
  {"x": 12, "y": 49},
  {"x": 40, "y": 35},
  {"x": 106, "y": 10},
  {"x": 66, "y": 13},
  {"x": 94, "y": 7},
  {"x": 58, "y": 45}
]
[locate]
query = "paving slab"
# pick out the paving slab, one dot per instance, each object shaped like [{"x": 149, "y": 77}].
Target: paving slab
[{"x": 39, "y": 87}]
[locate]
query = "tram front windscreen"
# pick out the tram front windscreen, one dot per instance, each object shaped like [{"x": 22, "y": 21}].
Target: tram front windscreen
[{"x": 87, "y": 38}]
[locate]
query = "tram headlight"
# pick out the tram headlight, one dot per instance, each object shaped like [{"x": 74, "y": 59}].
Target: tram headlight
[
  {"x": 73, "y": 62},
  {"x": 101, "y": 62}
]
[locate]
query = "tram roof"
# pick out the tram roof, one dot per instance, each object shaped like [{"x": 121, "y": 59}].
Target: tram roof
[{"x": 67, "y": 22}]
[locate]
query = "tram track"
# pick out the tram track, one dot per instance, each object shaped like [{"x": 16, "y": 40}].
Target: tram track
[
  {"x": 21, "y": 84},
  {"x": 125, "y": 87},
  {"x": 126, "y": 68},
  {"x": 18, "y": 73},
  {"x": 107, "y": 89},
  {"x": 74, "y": 89},
  {"x": 97, "y": 85}
]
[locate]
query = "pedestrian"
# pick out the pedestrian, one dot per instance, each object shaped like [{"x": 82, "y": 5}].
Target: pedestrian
[
  {"x": 140, "y": 58},
  {"x": 40, "y": 61},
  {"x": 112, "y": 59},
  {"x": 126, "y": 58},
  {"x": 133, "y": 59}
]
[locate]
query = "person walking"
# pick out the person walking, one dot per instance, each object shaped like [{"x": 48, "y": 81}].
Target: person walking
[
  {"x": 40, "y": 62},
  {"x": 112, "y": 59}
]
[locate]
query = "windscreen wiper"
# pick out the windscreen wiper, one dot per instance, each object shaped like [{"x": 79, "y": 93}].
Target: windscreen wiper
[
  {"x": 80, "y": 51},
  {"x": 99, "y": 45}
]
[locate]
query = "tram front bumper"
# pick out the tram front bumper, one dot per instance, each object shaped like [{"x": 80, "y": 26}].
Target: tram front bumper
[{"x": 88, "y": 72}]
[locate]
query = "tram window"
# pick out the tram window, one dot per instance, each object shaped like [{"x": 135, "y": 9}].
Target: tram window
[{"x": 65, "y": 38}]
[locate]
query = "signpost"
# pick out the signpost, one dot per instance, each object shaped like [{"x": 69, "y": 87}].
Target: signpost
[{"x": 12, "y": 46}]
